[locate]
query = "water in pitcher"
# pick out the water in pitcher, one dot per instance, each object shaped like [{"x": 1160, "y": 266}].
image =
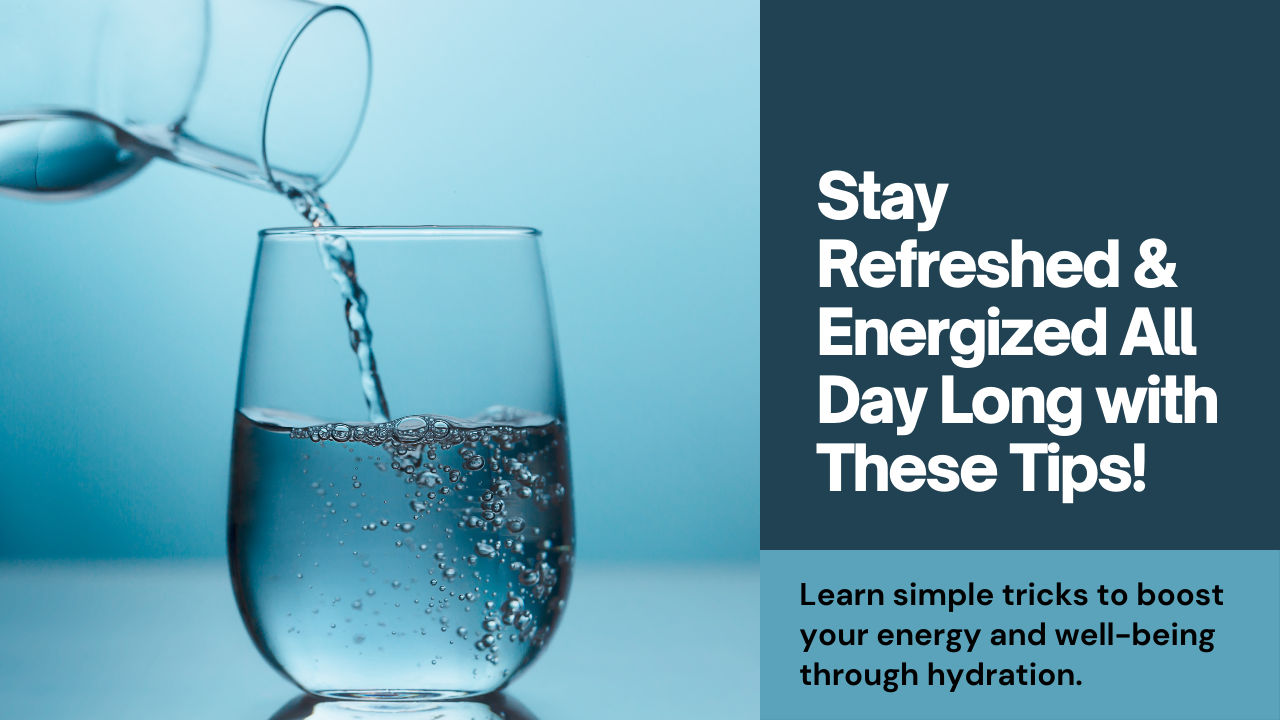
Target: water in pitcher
[
  {"x": 65, "y": 155},
  {"x": 425, "y": 557}
]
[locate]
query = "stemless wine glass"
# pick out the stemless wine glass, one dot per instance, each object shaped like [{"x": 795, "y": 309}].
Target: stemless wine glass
[{"x": 426, "y": 557}]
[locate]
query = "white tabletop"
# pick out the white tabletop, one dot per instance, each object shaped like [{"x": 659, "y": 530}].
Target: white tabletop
[{"x": 162, "y": 639}]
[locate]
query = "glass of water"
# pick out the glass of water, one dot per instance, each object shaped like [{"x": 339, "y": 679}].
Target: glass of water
[{"x": 400, "y": 523}]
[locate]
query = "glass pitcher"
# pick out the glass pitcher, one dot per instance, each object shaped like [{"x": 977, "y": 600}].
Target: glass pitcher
[{"x": 268, "y": 92}]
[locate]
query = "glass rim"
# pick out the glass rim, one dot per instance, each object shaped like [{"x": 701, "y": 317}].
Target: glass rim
[{"x": 402, "y": 232}]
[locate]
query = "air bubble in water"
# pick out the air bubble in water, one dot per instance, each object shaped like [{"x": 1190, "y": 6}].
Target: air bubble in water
[
  {"x": 529, "y": 577},
  {"x": 407, "y": 527},
  {"x": 357, "y": 604},
  {"x": 371, "y": 592},
  {"x": 410, "y": 428},
  {"x": 485, "y": 549},
  {"x": 358, "y": 639},
  {"x": 395, "y": 584},
  {"x": 475, "y": 462},
  {"x": 462, "y": 633}
]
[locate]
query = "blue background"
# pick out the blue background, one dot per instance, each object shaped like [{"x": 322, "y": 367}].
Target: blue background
[
  {"x": 628, "y": 133},
  {"x": 1236, "y": 680}
]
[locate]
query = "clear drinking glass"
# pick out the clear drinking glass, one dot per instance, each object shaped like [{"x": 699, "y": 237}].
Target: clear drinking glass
[{"x": 430, "y": 556}]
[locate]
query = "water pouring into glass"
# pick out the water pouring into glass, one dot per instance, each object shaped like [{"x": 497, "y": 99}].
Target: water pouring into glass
[{"x": 423, "y": 557}]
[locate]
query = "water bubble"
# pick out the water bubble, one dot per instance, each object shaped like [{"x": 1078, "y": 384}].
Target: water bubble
[
  {"x": 357, "y": 604},
  {"x": 422, "y": 547},
  {"x": 407, "y": 527},
  {"x": 410, "y": 428},
  {"x": 485, "y": 549},
  {"x": 384, "y": 522},
  {"x": 449, "y": 573},
  {"x": 471, "y": 559},
  {"x": 371, "y": 592},
  {"x": 462, "y": 633},
  {"x": 417, "y": 506},
  {"x": 475, "y": 462},
  {"x": 395, "y": 584},
  {"x": 515, "y": 525},
  {"x": 341, "y": 432},
  {"x": 529, "y": 577},
  {"x": 490, "y": 624},
  {"x": 356, "y": 484},
  {"x": 439, "y": 556},
  {"x": 358, "y": 639}
]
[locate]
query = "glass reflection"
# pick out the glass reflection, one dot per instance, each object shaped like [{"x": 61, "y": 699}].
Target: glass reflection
[{"x": 495, "y": 706}]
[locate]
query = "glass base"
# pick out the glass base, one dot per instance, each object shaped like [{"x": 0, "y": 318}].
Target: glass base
[{"x": 392, "y": 696}]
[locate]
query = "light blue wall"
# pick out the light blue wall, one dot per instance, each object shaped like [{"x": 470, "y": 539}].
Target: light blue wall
[{"x": 627, "y": 132}]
